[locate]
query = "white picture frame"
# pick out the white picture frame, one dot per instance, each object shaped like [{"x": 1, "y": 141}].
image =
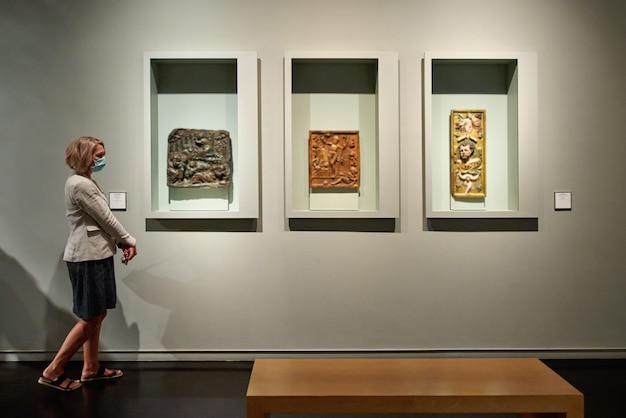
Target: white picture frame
[
  {"x": 514, "y": 185},
  {"x": 192, "y": 104},
  {"x": 379, "y": 130}
]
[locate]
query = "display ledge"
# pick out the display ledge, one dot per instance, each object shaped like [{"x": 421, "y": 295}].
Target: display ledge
[
  {"x": 202, "y": 225},
  {"x": 486, "y": 214},
  {"x": 343, "y": 224},
  {"x": 482, "y": 225}
]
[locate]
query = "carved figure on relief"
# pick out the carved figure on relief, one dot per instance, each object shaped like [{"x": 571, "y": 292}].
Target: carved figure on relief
[
  {"x": 199, "y": 158},
  {"x": 334, "y": 160},
  {"x": 467, "y": 145}
]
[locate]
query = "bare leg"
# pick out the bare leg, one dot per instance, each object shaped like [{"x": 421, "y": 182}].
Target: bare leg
[
  {"x": 91, "y": 363},
  {"x": 77, "y": 336},
  {"x": 90, "y": 351}
]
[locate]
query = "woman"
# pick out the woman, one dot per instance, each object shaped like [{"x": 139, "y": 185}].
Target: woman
[{"x": 94, "y": 235}]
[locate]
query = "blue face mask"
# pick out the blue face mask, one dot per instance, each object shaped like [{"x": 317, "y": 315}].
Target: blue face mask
[{"x": 98, "y": 165}]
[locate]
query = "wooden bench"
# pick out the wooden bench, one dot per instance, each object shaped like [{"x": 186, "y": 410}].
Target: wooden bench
[{"x": 442, "y": 385}]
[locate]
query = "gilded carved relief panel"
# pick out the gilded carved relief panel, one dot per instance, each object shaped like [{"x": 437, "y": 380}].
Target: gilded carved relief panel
[{"x": 467, "y": 153}]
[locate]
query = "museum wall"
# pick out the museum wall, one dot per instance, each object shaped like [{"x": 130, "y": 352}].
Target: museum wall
[{"x": 76, "y": 68}]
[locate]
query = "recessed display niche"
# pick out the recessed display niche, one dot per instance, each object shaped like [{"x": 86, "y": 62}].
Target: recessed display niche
[
  {"x": 497, "y": 93},
  {"x": 341, "y": 135},
  {"x": 201, "y": 135}
]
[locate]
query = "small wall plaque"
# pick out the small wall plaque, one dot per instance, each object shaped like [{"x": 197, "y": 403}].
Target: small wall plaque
[
  {"x": 117, "y": 200},
  {"x": 562, "y": 200}
]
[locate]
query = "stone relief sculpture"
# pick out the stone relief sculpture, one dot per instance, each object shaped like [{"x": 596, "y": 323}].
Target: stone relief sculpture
[
  {"x": 199, "y": 158},
  {"x": 467, "y": 153},
  {"x": 334, "y": 160}
]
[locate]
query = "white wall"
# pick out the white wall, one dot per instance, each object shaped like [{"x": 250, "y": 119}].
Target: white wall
[{"x": 75, "y": 68}]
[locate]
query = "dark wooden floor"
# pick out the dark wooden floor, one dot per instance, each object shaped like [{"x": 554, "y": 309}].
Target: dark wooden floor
[{"x": 218, "y": 389}]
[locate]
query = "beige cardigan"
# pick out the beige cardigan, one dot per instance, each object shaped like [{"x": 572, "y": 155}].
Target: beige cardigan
[{"x": 94, "y": 230}]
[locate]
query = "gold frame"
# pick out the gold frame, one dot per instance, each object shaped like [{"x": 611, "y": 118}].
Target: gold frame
[{"x": 468, "y": 134}]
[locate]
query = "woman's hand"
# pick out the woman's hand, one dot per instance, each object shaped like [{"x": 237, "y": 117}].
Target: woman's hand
[{"x": 129, "y": 252}]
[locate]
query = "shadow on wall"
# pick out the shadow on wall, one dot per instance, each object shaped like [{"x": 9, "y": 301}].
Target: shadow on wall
[
  {"x": 30, "y": 322},
  {"x": 158, "y": 291},
  {"x": 192, "y": 310}
]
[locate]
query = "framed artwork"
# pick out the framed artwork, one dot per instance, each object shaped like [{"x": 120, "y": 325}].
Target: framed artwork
[
  {"x": 467, "y": 154},
  {"x": 199, "y": 158},
  {"x": 334, "y": 160}
]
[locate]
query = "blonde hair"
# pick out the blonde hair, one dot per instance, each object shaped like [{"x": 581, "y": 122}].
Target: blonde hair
[{"x": 79, "y": 153}]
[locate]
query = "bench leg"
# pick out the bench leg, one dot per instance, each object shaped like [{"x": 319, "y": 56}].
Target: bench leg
[{"x": 253, "y": 412}]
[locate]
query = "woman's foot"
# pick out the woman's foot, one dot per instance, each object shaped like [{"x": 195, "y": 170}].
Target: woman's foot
[
  {"x": 102, "y": 374},
  {"x": 61, "y": 382}
]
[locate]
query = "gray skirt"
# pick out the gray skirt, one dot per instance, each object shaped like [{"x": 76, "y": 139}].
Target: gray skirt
[{"x": 93, "y": 286}]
